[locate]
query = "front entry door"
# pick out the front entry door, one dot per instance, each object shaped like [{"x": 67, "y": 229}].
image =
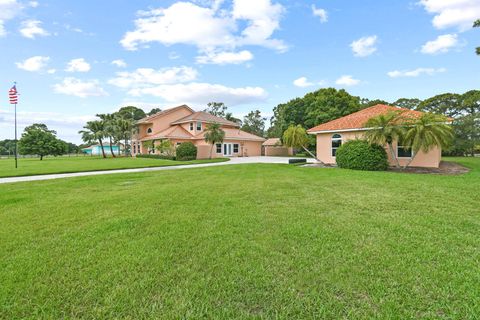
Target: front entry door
[{"x": 227, "y": 149}]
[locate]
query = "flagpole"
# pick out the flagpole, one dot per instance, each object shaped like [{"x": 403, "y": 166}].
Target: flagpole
[{"x": 16, "y": 153}]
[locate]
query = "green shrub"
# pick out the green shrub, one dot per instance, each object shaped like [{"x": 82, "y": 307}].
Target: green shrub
[
  {"x": 156, "y": 156},
  {"x": 361, "y": 155},
  {"x": 186, "y": 151}
]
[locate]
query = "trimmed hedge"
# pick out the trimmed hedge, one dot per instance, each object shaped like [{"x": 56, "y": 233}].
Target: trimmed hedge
[
  {"x": 186, "y": 151},
  {"x": 361, "y": 155},
  {"x": 156, "y": 156}
]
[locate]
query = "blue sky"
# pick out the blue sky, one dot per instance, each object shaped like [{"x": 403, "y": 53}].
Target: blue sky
[{"x": 73, "y": 59}]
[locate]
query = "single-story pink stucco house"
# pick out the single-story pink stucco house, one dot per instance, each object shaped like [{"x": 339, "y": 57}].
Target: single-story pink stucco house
[
  {"x": 182, "y": 124},
  {"x": 331, "y": 135}
]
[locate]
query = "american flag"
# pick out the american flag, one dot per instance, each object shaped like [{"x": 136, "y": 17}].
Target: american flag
[{"x": 12, "y": 94}]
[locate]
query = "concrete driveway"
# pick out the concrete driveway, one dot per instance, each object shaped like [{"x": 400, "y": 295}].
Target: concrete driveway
[{"x": 233, "y": 161}]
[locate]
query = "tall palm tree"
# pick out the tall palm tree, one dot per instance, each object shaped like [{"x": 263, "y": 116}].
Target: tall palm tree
[
  {"x": 214, "y": 134},
  {"x": 296, "y": 137},
  {"x": 123, "y": 131},
  {"x": 427, "y": 132},
  {"x": 94, "y": 131},
  {"x": 109, "y": 128},
  {"x": 385, "y": 129}
]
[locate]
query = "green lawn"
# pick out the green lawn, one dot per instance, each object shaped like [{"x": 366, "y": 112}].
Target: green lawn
[
  {"x": 28, "y": 167},
  {"x": 242, "y": 241}
]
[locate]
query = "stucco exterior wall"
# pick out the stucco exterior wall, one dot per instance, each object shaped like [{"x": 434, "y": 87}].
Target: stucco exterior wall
[
  {"x": 430, "y": 159},
  {"x": 162, "y": 122}
]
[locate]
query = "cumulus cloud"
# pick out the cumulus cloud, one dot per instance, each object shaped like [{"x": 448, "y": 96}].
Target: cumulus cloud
[
  {"x": 144, "y": 77},
  {"x": 33, "y": 64},
  {"x": 415, "y": 73},
  {"x": 210, "y": 29},
  {"x": 119, "y": 63},
  {"x": 364, "y": 46},
  {"x": 8, "y": 10},
  {"x": 347, "y": 81},
  {"x": 201, "y": 93},
  {"x": 442, "y": 44},
  {"x": 78, "y": 65},
  {"x": 321, "y": 13},
  {"x": 303, "y": 82},
  {"x": 80, "y": 88},
  {"x": 452, "y": 13},
  {"x": 225, "y": 57},
  {"x": 32, "y": 28}
]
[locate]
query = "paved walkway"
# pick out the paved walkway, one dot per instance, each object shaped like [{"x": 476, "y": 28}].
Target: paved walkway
[{"x": 280, "y": 160}]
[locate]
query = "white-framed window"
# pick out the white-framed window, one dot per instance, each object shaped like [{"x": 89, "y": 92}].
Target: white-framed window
[
  {"x": 177, "y": 144},
  {"x": 191, "y": 126},
  {"x": 336, "y": 143},
  {"x": 199, "y": 126},
  {"x": 149, "y": 130},
  {"x": 403, "y": 151},
  {"x": 219, "y": 147},
  {"x": 235, "y": 148}
]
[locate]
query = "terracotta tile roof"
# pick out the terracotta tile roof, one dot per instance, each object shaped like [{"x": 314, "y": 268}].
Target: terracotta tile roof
[
  {"x": 234, "y": 134},
  {"x": 162, "y": 113},
  {"x": 358, "y": 119},
  {"x": 205, "y": 117},
  {"x": 174, "y": 132},
  {"x": 272, "y": 142}
]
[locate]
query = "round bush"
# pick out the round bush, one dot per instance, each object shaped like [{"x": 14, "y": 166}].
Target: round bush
[
  {"x": 186, "y": 151},
  {"x": 361, "y": 155}
]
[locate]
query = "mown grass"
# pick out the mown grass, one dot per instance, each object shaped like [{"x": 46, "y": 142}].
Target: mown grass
[
  {"x": 33, "y": 166},
  {"x": 242, "y": 241}
]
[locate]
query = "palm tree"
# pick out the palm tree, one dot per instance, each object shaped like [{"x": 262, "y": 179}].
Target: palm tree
[
  {"x": 94, "y": 132},
  {"x": 123, "y": 130},
  {"x": 214, "y": 134},
  {"x": 427, "y": 132},
  {"x": 296, "y": 137},
  {"x": 385, "y": 129},
  {"x": 110, "y": 129}
]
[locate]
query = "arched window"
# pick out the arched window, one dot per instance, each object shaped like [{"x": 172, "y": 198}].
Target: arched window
[
  {"x": 149, "y": 130},
  {"x": 336, "y": 143}
]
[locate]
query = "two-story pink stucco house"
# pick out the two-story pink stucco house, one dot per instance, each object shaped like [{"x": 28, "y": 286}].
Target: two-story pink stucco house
[
  {"x": 182, "y": 124},
  {"x": 331, "y": 135}
]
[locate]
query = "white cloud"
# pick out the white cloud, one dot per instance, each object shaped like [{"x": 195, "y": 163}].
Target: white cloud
[
  {"x": 303, "y": 82},
  {"x": 364, "y": 46},
  {"x": 144, "y": 77},
  {"x": 225, "y": 57},
  {"x": 78, "y": 65},
  {"x": 347, "y": 80},
  {"x": 51, "y": 71},
  {"x": 415, "y": 73},
  {"x": 33, "y": 4},
  {"x": 32, "y": 28},
  {"x": 33, "y": 64},
  {"x": 119, "y": 63},
  {"x": 263, "y": 19},
  {"x": 210, "y": 29},
  {"x": 321, "y": 13},
  {"x": 202, "y": 93},
  {"x": 173, "y": 55},
  {"x": 8, "y": 10},
  {"x": 80, "y": 88},
  {"x": 442, "y": 44},
  {"x": 452, "y": 13}
]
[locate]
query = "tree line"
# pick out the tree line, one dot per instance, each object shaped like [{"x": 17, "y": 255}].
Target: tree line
[
  {"x": 38, "y": 140},
  {"x": 328, "y": 104}
]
